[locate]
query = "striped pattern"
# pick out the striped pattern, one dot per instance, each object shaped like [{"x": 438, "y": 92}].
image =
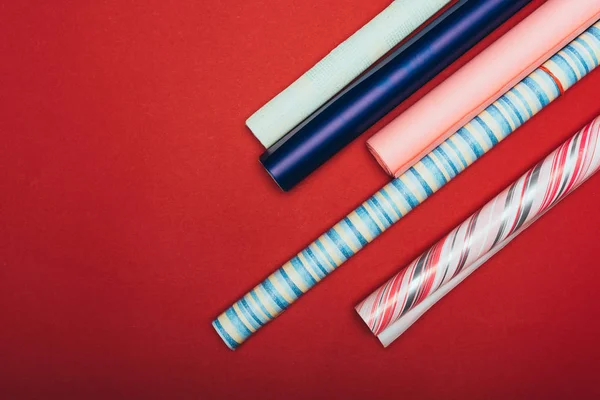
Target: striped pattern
[
  {"x": 486, "y": 231},
  {"x": 400, "y": 196}
]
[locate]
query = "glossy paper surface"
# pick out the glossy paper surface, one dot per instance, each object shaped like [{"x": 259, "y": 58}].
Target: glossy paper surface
[
  {"x": 390, "y": 82},
  {"x": 340, "y": 67},
  {"x": 271, "y": 297},
  {"x": 475, "y": 86},
  {"x": 482, "y": 235}
]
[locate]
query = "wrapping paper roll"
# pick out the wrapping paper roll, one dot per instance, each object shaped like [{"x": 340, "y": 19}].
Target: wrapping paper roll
[
  {"x": 482, "y": 235},
  {"x": 392, "y": 80},
  {"x": 339, "y": 68},
  {"x": 402, "y": 194},
  {"x": 480, "y": 82}
]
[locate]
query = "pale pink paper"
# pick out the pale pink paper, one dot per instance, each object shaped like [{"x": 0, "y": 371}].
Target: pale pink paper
[{"x": 480, "y": 82}]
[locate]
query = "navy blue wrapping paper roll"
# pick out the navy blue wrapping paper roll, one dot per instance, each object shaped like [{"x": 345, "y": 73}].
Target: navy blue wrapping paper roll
[{"x": 381, "y": 89}]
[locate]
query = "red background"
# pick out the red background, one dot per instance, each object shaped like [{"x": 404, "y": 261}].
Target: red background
[{"x": 133, "y": 211}]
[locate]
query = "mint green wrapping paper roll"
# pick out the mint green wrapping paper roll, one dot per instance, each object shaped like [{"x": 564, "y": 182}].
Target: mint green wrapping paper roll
[
  {"x": 401, "y": 195},
  {"x": 336, "y": 70}
]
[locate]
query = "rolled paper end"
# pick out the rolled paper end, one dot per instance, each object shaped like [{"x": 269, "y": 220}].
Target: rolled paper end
[
  {"x": 272, "y": 171},
  {"x": 263, "y": 138},
  {"x": 364, "y": 316},
  {"x": 393, "y": 156},
  {"x": 230, "y": 337},
  {"x": 248, "y": 124},
  {"x": 380, "y": 160}
]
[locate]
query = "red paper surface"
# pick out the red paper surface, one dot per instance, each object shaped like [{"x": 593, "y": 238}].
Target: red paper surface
[{"x": 133, "y": 210}]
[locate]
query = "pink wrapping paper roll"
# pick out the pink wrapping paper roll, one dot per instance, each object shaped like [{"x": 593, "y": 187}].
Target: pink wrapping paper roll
[
  {"x": 480, "y": 82},
  {"x": 396, "y": 305}
]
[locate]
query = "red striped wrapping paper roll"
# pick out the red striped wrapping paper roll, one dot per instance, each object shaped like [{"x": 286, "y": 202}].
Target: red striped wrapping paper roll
[{"x": 396, "y": 305}]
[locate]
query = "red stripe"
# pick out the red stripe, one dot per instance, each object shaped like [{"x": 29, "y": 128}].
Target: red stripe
[{"x": 561, "y": 89}]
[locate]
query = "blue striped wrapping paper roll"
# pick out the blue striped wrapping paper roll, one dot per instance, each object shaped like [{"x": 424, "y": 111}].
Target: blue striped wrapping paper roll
[{"x": 400, "y": 196}]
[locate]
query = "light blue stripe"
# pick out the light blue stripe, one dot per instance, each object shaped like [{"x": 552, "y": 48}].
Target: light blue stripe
[
  {"x": 274, "y": 295},
  {"x": 345, "y": 251},
  {"x": 422, "y": 182},
  {"x": 517, "y": 92},
  {"x": 539, "y": 92},
  {"x": 458, "y": 154},
  {"x": 566, "y": 68},
  {"x": 443, "y": 159},
  {"x": 500, "y": 119},
  {"x": 392, "y": 187},
  {"x": 435, "y": 171},
  {"x": 294, "y": 291},
  {"x": 348, "y": 235},
  {"x": 303, "y": 272},
  {"x": 594, "y": 31},
  {"x": 589, "y": 51},
  {"x": 511, "y": 109},
  {"x": 324, "y": 259},
  {"x": 478, "y": 132},
  {"x": 391, "y": 203},
  {"x": 249, "y": 314},
  {"x": 238, "y": 323},
  {"x": 577, "y": 60},
  {"x": 228, "y": 339},
  {"x": 260, "y": 304},
  {"x": 368, "y": 221},
  {"x": 383, "y": 215},
  {"x": 405, "y": 193},
  {"x": 554, "y": 84},
  {"x": 355, "y": 233},
  {"x": 471, "y": 142},
  {"x": 326, "y": 253},
  {"x": 548, "y": 81},
  {"x": 319, "y": 270}
]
